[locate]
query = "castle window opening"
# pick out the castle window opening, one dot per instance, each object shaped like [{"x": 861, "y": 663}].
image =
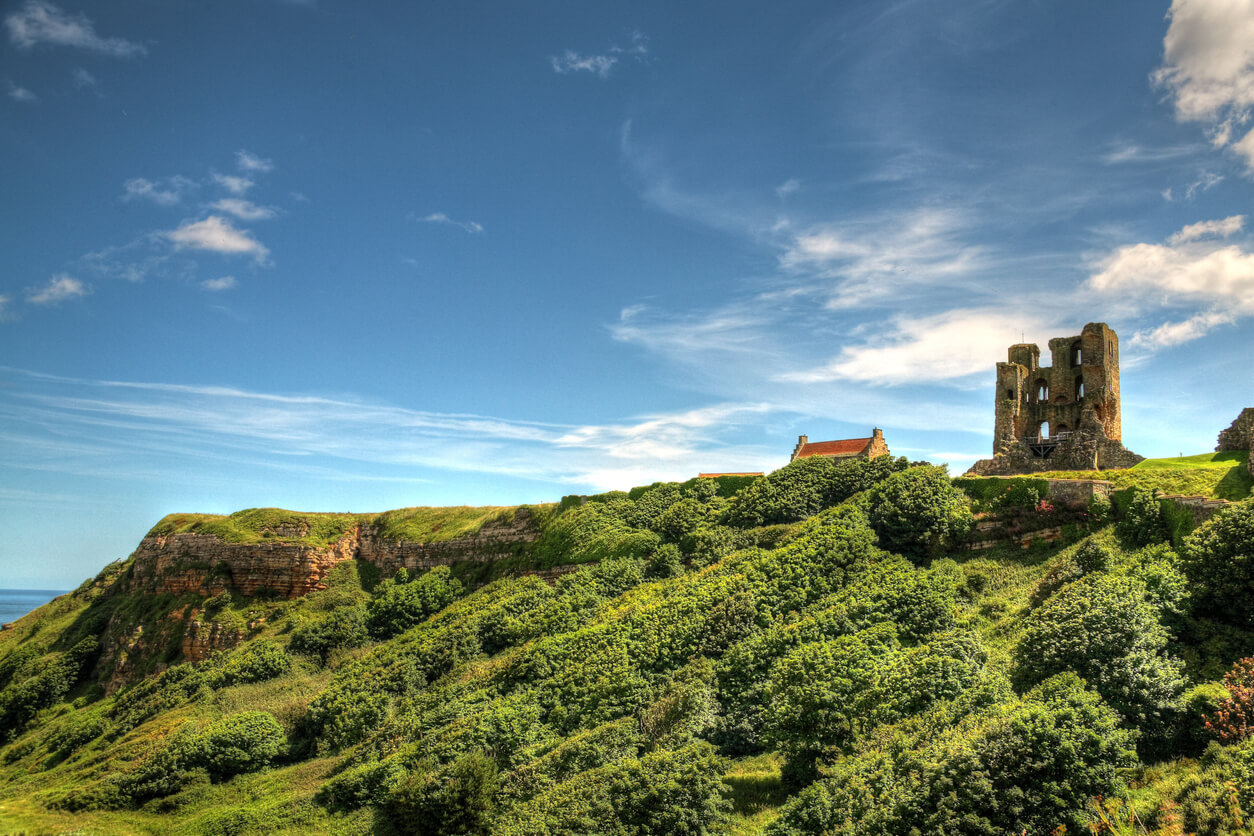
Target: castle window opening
[
  {"x": 1042, "y": 390},
  {"x": 1010, "y": 394},
  {"x": 1079, "y": 388},
  {"x": 1077, "y": 355},
  {"x": 1043, "y": 430}
]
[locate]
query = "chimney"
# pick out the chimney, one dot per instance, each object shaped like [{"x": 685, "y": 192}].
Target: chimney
[
  {"x": 877, "y": 433},
  {"x": 802, "y": 441}
]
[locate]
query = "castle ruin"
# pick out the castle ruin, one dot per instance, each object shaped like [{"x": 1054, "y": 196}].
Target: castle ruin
[{"x": 1064, "y": 416}]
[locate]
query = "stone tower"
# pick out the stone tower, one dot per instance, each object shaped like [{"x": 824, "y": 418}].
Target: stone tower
[{"x": 1064, "y": 416}]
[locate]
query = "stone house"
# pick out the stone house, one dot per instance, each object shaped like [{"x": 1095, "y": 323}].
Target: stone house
[{"x": 845, "y": 448}]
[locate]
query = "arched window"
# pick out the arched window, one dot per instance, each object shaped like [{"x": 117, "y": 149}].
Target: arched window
[
  {"x": 1043, "y": 432},
  {"x": 1077, "y": 355},
  {"x": 1041, "y": 389},
  {"x": 1062, "y": 428}
]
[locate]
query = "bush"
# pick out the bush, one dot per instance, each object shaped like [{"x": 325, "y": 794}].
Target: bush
[
  {"x": 399, "y": 603},
  {"x": 362, "y": 784},
  {"x": 1142, "y": 520},
  {"x": 1103, "y": 628},
  {"x": 918, "y": 513},
  {"x": 458, "y": 800},
  {"x": 1233, "y": 718},
  {"x": 1218, "y": 560},
  {"x": 1025, "y": 765},
  {"x": 343, "y": 627},
  {"x": 255, "y": 662},
  {"x": 243, "y": 742}
]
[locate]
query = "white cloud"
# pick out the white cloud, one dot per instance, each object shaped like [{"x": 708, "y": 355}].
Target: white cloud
[
  {"x": 1206, "y": 181},
  {"x": 340, "y": 433},
  {"x": 5, "y": 301},
  {"x": 572, "y": 62},
  {"x": 1174, "y": 333},
  {"x": 250, "y": 162},
  {"x": 1209, "y": 229},
  {"x": 472, "y": 227},
  {"x": 83, "y": 79},
  {"x": 1208, "y": 66},
  {"x": 216, "y": 234},
  {"x": 58, "y": 289},
  {"x": 245, "y": 210},
  {"x": 233, "y": 184},
  {"x": 1190, "y": 268},
  {"x": 931, "y": 349},
  {"x": 788, "y": 187},
  {"x": 873, "y": 260},
  {"x": 167, "y": 192},
  {"x": 41, "y": 22},
  {"x": 20, "y": 94},
  {"x": 224, "y": 283},
  {"x": 1129, "y": 152}
]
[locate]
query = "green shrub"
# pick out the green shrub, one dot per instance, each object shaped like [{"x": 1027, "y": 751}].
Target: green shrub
[
  {"x": 400, "y": 603},
  {"x": 257, "y": 661},
  {"x": 1103, "y": 628},
  {"x": 1022, "y": 765},
  {"x": 1141, "y": 521},
  {"x": 457, "y": 800},
  {"x": 243, "y": 742},
  {"x": 343, "y": 627},
  {"x": 1218, "y": 560},
  {"x": 366, "y": 783},
  {"x": 918, "y": 513}
]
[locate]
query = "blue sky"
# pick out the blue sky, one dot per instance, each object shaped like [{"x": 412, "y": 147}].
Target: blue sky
[{"x": 357, "y": 256}]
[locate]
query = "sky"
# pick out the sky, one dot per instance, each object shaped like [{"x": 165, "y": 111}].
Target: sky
[{"x": 343, "y": 256}]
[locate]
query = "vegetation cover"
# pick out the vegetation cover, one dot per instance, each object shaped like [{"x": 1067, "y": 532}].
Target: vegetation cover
[{"x": 813, "y": 651}]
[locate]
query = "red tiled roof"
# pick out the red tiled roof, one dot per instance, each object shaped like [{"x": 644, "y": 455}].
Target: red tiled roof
[
  {"x": 842, "y": 447},
  {"x": 712, "y": 475}
]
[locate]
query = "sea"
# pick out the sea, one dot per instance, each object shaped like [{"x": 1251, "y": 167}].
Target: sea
[{"x": 15, "y": 603}]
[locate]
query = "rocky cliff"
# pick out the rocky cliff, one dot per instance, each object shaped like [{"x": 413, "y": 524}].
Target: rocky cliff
[{"x": 206, "y": 565}]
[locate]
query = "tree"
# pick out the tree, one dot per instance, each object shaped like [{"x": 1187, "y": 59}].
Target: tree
[
  {"x": 398, "y": 606},
  {"x": 918, "y": 512},
  {"x": 1219, "y": 562},
  {"x": 456, "y": 800},
  {"x": 1103, "y": 628}
]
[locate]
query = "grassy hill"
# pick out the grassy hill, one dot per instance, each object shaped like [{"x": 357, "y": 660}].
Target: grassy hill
[
  {"x": 813, "y": 651},
  {"x": 1217, "y": 475}
]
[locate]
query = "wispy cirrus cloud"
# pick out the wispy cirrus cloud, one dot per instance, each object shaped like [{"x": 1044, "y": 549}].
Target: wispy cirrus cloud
[
  {"x": 167, "y": 192},
  {"x": 1208, "y": 69},
  {"x": 341, "y": 435},
  {"x": 19, "y": 93},
  {"x": 249, "y": 162},
  {"x": 216, "y": 234},
  {"x": 58, "y": 289},
  {"x": 473, "y": 227},
  {"x": 40, "y": 22},
  {"x": 233, "y": 183},
  {"x": 600, "y": 65},
  {"x": 219, "y": 284},
  {"x": 245, "y": 210}
]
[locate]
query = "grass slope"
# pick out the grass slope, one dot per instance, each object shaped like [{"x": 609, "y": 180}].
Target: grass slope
[
  {"x": 256, "y": 525},
  {"x": 1216, "y": 475}
]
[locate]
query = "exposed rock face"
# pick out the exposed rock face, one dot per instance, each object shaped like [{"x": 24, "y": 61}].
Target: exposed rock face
[
  {"x": 203, "y": 639},
  {"x": 205, "y": 565}
]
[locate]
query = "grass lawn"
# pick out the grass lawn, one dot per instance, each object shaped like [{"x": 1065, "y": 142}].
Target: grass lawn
[{"x": 1217, "y": 475}]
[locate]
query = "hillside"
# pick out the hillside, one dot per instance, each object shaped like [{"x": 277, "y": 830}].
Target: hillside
[{"x": 816, "y": 651}]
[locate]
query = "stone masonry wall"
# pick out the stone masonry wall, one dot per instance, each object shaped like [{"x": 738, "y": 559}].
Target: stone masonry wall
[{"x": 1240, "y": 436}]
